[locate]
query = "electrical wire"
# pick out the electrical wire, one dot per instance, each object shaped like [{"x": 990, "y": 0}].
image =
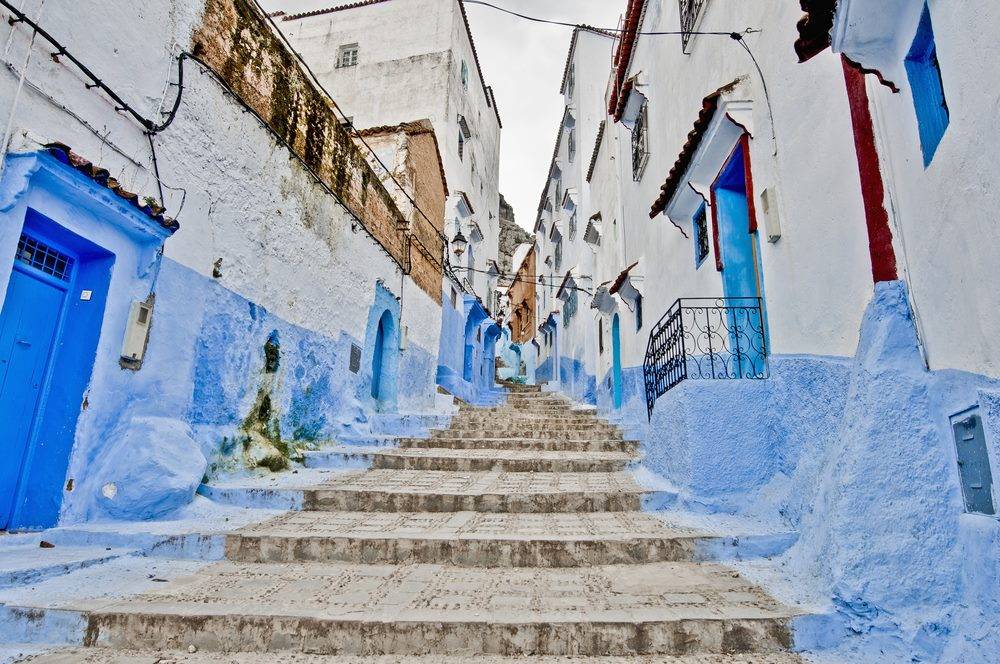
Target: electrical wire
[
  {"x": 566, "y": 24},
  {"x": 541, "y": 280}
]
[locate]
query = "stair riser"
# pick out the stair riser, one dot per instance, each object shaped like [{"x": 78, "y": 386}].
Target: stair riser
[
  {"x": 334, "y": 500},
  {"x": 514, "y": 428},
  {"x": 527, "y": 433},
  {"x": 461, "y": 553},
  {"x": 235, "y": 633},
  {"x": 628, "y": 447},
  {"x": 392, "y": 462}
]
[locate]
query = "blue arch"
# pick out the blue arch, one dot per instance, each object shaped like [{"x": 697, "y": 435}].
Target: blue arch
[
  {"x": 616, "y": 361},
  {"x": 382, "y": 354}
]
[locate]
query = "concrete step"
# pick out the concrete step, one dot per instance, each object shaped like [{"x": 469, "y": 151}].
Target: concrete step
[
  {"x": 346, "y": 609},
  {"x": 442, "y": 491},
  {"x": 530, "y": 431},
  {"x": 516, "y": 461},
  {"x": 105, "y": 656},
  {"x": 551, "y": 444},
  {"x": 467, "y": 539},
  {"x": 526, "y": 418}
]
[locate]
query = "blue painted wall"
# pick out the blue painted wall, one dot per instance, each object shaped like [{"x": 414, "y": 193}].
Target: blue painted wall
[
  {"x": 856, "y": 455},
  {"x": 466, "y": 359},
  {"x": 217, "y": 366}
]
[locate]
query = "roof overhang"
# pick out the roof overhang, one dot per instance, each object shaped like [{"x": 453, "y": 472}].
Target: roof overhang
[
  {"x": 629, "y": 284},
  {"x": 603, "y": 300},
  {"x": 569, "y": 284},
  {"x": 464, "y": 205}
]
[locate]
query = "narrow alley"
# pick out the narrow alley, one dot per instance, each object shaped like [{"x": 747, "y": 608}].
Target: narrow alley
[{"x": 499, "y": 332}]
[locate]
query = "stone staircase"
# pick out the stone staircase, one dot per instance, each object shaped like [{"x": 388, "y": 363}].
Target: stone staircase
[{"x": 514, "y": 535}]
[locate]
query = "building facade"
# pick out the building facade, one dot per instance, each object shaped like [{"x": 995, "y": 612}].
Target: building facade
[
  {"x": 390, "y": 61},
  {"x": 218, "y": 277},
  {"x": 774, "y": 305}
]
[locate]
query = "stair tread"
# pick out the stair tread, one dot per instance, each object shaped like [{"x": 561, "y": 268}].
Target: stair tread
[
  {"x": 443, "y": 482},
  {"x": 102, "y": 656},
  {"x": 505, "y": 453},
  {"x": 353, "y": 593},
  {"x": 594, "y": 526}
]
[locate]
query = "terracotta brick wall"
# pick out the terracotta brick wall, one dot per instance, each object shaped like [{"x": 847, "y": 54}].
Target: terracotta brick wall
[{"x": 522, "y": 301}]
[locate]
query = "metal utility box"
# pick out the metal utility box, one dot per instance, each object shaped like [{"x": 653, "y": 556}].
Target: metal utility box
[{"x": 973, "y": 462}]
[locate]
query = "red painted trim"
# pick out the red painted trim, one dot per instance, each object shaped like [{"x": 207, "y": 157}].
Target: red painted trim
[
  {"x": 883, "y": 256},
  {"x": 715, "y": 233},
  {"x": 748, "y": 181}
]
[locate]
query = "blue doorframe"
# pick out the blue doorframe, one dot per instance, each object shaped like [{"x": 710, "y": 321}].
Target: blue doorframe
[
  {"x": 616, "y": 361},
  {"x": 738, "y": 258},
  {"x": 48, "y": 342}
]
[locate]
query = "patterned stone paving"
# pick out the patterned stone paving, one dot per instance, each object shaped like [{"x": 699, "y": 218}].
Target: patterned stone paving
[
  {"x": 92, "y": 656},
  {"x": 478, "y": 483},
  {"x": 447, "y": 566},
  {"x": 471, "y": 525}
]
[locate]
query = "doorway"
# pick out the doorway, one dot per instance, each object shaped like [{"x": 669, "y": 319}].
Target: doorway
[
  {"x": 739, "y": 261},
  {"x": 383, "y": 338},
  {"x": 50, "y": 324}
]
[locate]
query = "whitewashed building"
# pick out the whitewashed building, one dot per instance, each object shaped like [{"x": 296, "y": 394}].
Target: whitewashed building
[
  {"x": 791, "y": 293},
  {"x": 565, "y": 258},
  {"x": 200, "y": 270},
  {"x": 390, "y": 61}
]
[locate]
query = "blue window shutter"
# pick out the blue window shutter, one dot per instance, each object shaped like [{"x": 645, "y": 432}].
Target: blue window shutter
[{"x": 927, "y": 88}]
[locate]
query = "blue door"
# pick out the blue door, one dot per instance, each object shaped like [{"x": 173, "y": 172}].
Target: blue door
[
  {"x": 616, "y": 361},
  {"x": 28, "y": 325},
  {"x": 741, "y": 272},
  {"x": 377, "y": 359}
]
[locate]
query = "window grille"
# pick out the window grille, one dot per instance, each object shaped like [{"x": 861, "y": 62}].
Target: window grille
[
  {"x": 572, "y": 145},
  {"x": 461, "y": 145},
  {"x": 700, "y": 236},
  {"x": 572, "y": 225},
  {"x": 571, "y": 81},
  {"x": 558, "y": 254},
  {"x": 569, "y": 310},
  {"x": 600, "y": 337},
  {"x": 638, "y": 313},
  {"x": 640, "y": 144},
  {"x": 465, "y": 75},
  {"x": 690, "y": 13},
  {"x": 43, "y": 257},
  {"x": 347, "y": 55},
  {"x": 355, "y": 365}
]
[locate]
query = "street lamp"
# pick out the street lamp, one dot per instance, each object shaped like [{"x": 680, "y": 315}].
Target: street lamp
[{"x": 459, "y": 243}]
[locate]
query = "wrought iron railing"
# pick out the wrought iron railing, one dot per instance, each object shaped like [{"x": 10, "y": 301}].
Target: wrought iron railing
[{"x": 706, "y": 339}]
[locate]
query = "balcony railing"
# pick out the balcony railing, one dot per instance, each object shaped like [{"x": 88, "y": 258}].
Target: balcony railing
[{"x": 706, "y": 339}]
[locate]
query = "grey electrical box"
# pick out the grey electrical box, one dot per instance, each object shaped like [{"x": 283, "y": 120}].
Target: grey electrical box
[
  {"x": 769, "y": 208},
  {"x": 973, "y": 462},
  {"x": 136, "y": 333}
]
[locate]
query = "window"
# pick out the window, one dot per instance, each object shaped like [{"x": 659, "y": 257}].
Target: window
[
  {"x": 558, "y": 254},
  {"x": 465, "y": 75},
  {"x": 600, "y": 337},
  {"x": 355, "y": 361},
  {"x": 571, "y": 144},
  {"x": 569, "y": 309},
  {"x": 347, "y": 55},
  {"x": 690, "y": 13},
  {"x": 572, "y": 225},
  {"x": 700, "y": 225},
  {"x": 638, "y": 312},
  {"x": 571, "y": 81},
  {"x": 558, "y": 193},
  {"x": 461, "y": 145},
  {"x": 640, "y": 144},
  {"x": 454, "y": 298},
  {"x": 927, "y": 87}
]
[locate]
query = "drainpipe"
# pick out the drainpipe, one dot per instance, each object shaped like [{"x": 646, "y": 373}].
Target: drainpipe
[{"x": 883, "y": 256}]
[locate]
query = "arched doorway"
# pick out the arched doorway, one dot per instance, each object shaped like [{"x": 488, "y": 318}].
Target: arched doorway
[
  {"x": 616, "y": 361},
  {"x": 382, "y": 357}
]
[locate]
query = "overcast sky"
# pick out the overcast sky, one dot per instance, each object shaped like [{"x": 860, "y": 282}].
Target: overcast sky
[{"x": 524, "y": 63}]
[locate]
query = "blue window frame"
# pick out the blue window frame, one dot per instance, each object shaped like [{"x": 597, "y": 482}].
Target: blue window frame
[
  {"x": 927, "y": 87},
  {"x": 700, "y": 226}
]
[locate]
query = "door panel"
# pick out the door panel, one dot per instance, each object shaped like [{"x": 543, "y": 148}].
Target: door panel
[
  {"x": 27, "y": 329},
  {"x": 616, "y": 361}
]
